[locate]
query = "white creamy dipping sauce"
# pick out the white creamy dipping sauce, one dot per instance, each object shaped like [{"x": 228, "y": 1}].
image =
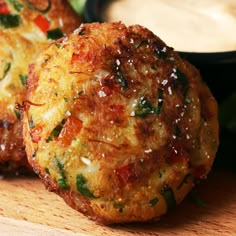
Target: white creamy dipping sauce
[{"x": 187, "y": 25}]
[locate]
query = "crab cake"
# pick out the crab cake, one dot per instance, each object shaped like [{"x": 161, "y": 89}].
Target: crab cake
[
  {"x": 25, "y": 28},
  {"x": 117, "y": 124}
]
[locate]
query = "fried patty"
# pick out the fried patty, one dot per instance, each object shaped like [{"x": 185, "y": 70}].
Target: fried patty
[
  {"x": 25, "y": 28},
  {"x": 117, "y": 123}
]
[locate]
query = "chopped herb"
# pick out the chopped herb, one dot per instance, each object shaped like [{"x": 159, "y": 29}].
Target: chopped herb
[
  {"x": 184, "y": 181},
  {"x": 56, "y": 131},
  {"x": 56, "y": 93},
  {"x": 153, "y": 67},
  {"x": 178, "y": 132},
  {"x": 169, "y": 196},
  {"x": 47, "y": 59},
  {"x": 161, "y": 173},
  {"x": 9, "y": 20},
  {"x": 6, "y": 68},
  {"x": 80, "y": 92},
  {"x": 33, "y": 7},
  {"x": 31, "y": 123},
  {"x": 34, "y": 155},
  {"x": 144, "y": 107},
  {"x": 18, "y": 6},
  {"x": 54, "y": 34},
  {"x": 58, "y": 45},
  {"x": 23, "y": 79},
  {"x": 17, "y": 113},
  {"x": 65, "y": 99},
  {"x": 62, "y": 183},
  {"x": 118, "y": 205},
  {"x": 121, "y": 80},
  {"x": 62, "y": 180},
  {"x": 196, "y": 198},
  {"x": 82, "y": 186},
  {"x": 153, "y": 202},
  {"x": 181, "y": 79},
  {"x": 82, "y": 32},
  {"x": 160, "y": 53},
  {"x": 159, "y": 102},
  {"x": 47, "y": 171},
  {"x": 187, "y": 100},
  {"x": 141, "y": 44}
]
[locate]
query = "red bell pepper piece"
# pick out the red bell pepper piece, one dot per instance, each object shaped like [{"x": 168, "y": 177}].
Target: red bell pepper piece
[
  {"x": 4, "y": 8},
  {"x": 42, "y": 23},
  {"x": 127, "y": 174},
  {"x": 36, "y": 134},
  {"x": 69, "y": 131}
]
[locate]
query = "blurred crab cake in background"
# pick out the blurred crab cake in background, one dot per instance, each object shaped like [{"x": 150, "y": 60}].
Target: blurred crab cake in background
[
  {"x": 25, "y": 28},
  {"x": 118, "y": 124}
]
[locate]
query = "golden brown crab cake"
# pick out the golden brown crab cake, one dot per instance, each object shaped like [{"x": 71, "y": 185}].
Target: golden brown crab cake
[
  {"x": 117, "y": 123},
  {"x": 25, "y": 28}
]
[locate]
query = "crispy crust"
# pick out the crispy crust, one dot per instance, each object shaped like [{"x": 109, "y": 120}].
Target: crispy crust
[
  {"x": 125, "y": 126},
  {"x": 19, "y": 45}
]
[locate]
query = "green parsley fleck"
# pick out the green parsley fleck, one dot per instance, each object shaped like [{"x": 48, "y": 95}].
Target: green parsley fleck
[
  {"x": 121, "y": 80},
  {"x": 23, "y": 79},
  {"x": 187, "y": 100},
  {"x": 153, "y": 202},
  {"x": 18, "y": 6},
  {"x": 181, "y": 79},
  {"x": 54, "y": 34},
  {"x": 160, "y": 53},
  {"x": 17, "y": 113},
  {"x": 159, "y": 102},
  {"x": 119, "y": 205},
  {"x": 58, "y": 45},
  {"x": 142, "y": 43},
  {"x": 6, "y": 68},
  {"x": 9, "y": 20},
  {"x": 184, "y": 181},
  {"x": 80, "y": 92},
  {"x": 62, "y": 180},
  {"x": 82, "y": 32},
  {"x": 178, "y": 132},
  {"x": 144, "y": 107},
  {"x": 169, "y": 196},
  {"x": 56, "y": 131},
  {"x": 82, "y": 187},
  {"x": 47, "y": 171},
  {"x": 31, "y": 123}
]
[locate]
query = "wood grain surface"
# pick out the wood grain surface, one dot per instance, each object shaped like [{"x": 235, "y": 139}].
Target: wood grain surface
[{"x": 26, "y": 208}]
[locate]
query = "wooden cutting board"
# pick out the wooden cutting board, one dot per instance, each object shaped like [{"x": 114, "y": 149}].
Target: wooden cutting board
[{"x": 26, "y": 208}]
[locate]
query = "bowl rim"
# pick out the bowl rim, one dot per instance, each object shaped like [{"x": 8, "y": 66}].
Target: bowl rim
[
  {"x": 226, "y": 57},
  {"x": 91, "y": 9},
  {"x": 91, "y": 14}
]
